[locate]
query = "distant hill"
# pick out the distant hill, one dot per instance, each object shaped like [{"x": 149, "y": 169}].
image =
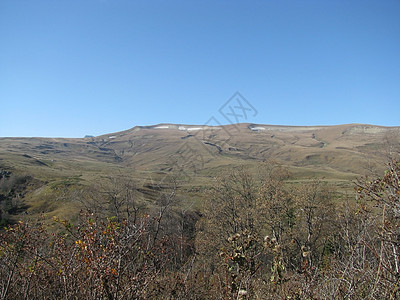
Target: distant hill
[{"x": 195, "y": 154}]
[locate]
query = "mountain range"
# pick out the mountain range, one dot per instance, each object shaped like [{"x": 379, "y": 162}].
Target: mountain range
[{"x": 195, "y": 154}]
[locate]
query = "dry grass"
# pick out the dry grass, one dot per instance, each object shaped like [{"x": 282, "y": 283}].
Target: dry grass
[{"x": 336, "y": 154}]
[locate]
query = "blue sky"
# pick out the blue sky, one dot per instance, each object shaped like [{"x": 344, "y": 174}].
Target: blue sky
[{"x": 77, "y": 67}]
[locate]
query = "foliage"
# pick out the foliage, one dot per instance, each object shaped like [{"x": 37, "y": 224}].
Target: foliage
[
  {"x": 257, "y": 238},
  {"x": 12, "y": 188}
]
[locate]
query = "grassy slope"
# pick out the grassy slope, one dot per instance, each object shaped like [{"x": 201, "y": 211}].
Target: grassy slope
[{"x": 147, "y": 154}]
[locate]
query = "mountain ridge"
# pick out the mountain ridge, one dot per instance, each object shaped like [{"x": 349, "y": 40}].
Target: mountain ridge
[
  {"x": 288, "y": 144},
  {"x": 194, "y": 155}
]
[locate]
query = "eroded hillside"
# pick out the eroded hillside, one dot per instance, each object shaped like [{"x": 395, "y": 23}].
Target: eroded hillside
[{"x": 194, "y": 155}]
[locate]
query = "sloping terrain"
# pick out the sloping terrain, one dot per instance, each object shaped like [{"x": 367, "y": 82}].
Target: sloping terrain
[{"x": 195, "y": 154}]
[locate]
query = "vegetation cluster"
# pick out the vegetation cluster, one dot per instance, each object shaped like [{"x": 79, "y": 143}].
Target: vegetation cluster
[
  {"x": 254, "y": 238},
  {"x": 12, "y": 189}
]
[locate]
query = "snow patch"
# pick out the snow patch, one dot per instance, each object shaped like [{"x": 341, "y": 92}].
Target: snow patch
[
  {"x": 194, "y": 128},
  {"x": 183, "y": 128},
  {"x": 257, "y": 128},
  {"x": 162, "y": 127}
]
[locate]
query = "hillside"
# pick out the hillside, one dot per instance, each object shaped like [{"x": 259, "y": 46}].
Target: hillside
[{"x": 193, "y": 155}]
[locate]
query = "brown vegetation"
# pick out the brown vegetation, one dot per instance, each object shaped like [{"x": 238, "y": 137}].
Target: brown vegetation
[{"x": 257, "y": 237}]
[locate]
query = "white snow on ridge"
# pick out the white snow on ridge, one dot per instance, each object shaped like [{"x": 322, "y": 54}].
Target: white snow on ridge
[
  {"x": 112, "y": 137},
  {"x": 194, "y": 128},
  {"x": 281, "y": 128},
  {"x": 162, "y": 127},
  {"x": 206, "y": 127},
  {"x": 257, "y": 128},
  {"x": 183, "y": 128}
]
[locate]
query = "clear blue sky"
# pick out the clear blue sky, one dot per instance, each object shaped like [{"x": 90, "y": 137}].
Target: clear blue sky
[{"x": 75, "y": 67}]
